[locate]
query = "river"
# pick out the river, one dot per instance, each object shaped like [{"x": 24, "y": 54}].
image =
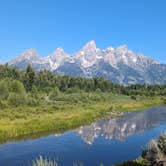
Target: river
[{"x": 107, "y": 141}]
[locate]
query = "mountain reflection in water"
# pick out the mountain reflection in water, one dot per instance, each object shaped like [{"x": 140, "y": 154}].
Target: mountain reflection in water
[
  {"x": 106, "y": 141},
  {"x": 121, "y": 128}
]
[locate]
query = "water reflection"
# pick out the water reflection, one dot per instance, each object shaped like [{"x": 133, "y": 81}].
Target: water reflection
[
  {"x": 74, "y": 145},
  {"x": 121, "y": 128}
]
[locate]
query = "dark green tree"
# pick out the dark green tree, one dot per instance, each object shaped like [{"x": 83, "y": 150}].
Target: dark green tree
[
  {"x": 29, "y": 79},
  {"x": 4, "y": 92}
]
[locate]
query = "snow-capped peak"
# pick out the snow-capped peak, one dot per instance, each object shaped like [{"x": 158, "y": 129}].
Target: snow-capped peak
[
  {"x": 108, "y": 49},
  {"x": 30, "y": 53},
  {"x": 57, "y": 58},
  {"x": 91, "y": 43},
  {"x": 88, "y": 55},
  {"x": 90, "y": 46},
  {"x": 122, "y": 49},
  {"x": 59, "y": 50},
  {"x": 119, "y": 64},
  {"x": 59, "y": 53}
]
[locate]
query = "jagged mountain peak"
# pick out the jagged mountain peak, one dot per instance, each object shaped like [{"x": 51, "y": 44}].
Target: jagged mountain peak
[
  {"x": 122, "y": 49},
  {"x": 57, "y": 58},
  {"x": 90, "y": 46},
  {"x": 31, "y": 52},
  {"x": 91, "y": 43},
  {"x": 88, "y": 55},
  {"x": 119, "y": 64},
  {"x": 108, "y": 49},
  {"x": 59, "y": 52}
]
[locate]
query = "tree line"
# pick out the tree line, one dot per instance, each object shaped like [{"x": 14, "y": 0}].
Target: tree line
[{"x": 46, "y": 81}]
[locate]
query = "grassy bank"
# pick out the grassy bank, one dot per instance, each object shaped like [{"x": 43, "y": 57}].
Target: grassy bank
[{"x": 68, "y": 111}]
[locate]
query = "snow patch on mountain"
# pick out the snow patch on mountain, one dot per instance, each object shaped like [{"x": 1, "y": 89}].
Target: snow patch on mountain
[{"x": 117, "y": 64}]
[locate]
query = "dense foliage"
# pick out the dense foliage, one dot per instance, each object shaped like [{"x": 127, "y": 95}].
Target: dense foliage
[
  {"x": 34, "y": 102},
  {"x": 47, "y": 82}
]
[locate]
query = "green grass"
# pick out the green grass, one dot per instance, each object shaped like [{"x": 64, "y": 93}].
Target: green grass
[{"x": 67, "y": 112}]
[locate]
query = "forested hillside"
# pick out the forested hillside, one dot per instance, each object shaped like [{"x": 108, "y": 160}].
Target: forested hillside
[{"x": 46, "y": 81}]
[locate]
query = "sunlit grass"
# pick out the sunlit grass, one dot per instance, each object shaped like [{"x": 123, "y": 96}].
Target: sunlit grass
[{"x": 67, "y": 113}]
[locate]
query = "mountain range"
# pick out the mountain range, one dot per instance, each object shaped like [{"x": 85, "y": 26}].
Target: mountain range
[{"x": 120, "y": 65}]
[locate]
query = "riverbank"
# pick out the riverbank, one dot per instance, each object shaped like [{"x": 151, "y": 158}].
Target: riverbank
[
  {"x": 69, "y": 113},
  {"x": 154, "y": 154}
]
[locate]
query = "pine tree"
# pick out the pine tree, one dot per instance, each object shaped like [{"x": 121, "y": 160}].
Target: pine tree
[{"x": 29, "y": 78}]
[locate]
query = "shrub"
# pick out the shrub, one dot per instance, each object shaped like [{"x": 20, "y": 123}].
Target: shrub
[
  {"x": 2, "y": 104},
  {"x": 16, "y": 100},
  {"x": 54, "y": 94},
  {"x": 31, "y": 101},
  {"x": 133, "y": 97},
  {"x": 152, "y": 152},
  {"x": 4, "y": 92},
  {"x": 47, "y": 89},
  {"x": 18, "y": 88},
  {"x": 73, "y": 90},
  {"x": 162, "y": 143},
  {"x": 98, "y": 90},
  {"x": 34, "y": 89},
  {"x": 164, "y": 100}
]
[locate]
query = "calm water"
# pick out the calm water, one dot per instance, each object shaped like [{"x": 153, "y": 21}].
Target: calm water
[{"x": 108, "y": 141}]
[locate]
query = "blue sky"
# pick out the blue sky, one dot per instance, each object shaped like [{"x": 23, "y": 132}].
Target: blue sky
[{"x": 48, "y": 24}]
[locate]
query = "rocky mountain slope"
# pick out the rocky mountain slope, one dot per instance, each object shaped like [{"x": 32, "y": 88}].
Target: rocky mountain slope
[{"x": 119, "y": 65}]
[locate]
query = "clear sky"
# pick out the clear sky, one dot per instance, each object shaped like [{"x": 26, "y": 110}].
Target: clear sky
[{"x": 48, "y": 24}]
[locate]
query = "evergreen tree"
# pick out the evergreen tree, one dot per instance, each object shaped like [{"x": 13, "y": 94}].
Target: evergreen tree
[
  {"x": 29, "y": 78},
  {"x": 4, "y": 92}
]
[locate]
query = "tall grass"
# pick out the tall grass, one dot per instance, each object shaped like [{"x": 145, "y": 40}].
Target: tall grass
[
  {"x": 41, "y": 161},
  {"x": 68, "y": 111},
  {"x": 44, "y": 162}
]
